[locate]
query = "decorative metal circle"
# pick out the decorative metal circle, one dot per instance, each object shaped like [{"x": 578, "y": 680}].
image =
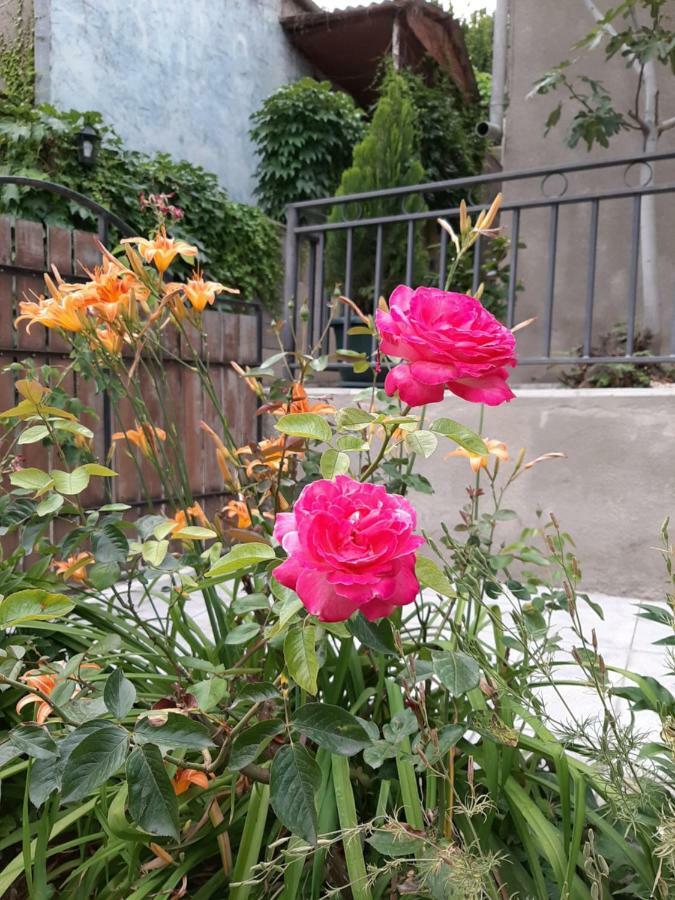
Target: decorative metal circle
[
  {"x": 638, "y": 174},
  {"x": 554, "y": 184}
]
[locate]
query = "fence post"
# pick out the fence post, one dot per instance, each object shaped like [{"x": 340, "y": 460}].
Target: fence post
[{"x": 290, "y": 274}]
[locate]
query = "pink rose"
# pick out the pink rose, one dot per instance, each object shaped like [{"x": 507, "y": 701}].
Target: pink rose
[
  {"x": 350, "y": 546},
  {"x": 447, "y": 341}
]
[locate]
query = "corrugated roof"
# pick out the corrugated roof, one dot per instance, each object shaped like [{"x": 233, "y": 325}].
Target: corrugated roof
[{"x": 347, "y": 45}]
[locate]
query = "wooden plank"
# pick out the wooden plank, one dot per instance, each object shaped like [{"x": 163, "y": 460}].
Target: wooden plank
[
  {"x": 5, "y": 241},
  {"x": 248, "y": 341},
  {"x": 95, "y": 494},
  {"x": 192, "y": 434},
  {"x": 59, "y": 256},
  {"x": 230, "y": 332},
  {"x": 213, "y": 479},
  {"x": 128, "y": 482},
  {"x": 152, "y": 404},
  {"x": 30, "y": 254},
  {"x": 7, "y": 332},
  {"x": 85, "y": 252}
]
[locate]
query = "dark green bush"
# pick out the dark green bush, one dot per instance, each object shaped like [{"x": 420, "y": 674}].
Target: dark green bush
[{"x": 239, "y": 245}]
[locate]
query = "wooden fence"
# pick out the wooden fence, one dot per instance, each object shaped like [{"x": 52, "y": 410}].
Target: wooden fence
[{"x": 27, "y": 250}]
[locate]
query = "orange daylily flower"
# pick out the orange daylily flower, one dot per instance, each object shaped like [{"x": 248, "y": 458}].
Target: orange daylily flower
[
  {"x": 75, "y": 567},
  {"x": 111, "y": 291},
  {"x": 65, "y": 313},
  {"x": 145, "y": 437},
  {"x": 162, "y": 250},
  {"x": 269, "y": 455},
  {"x": 183, "y": 518},
  {"x": 238, "y": 510},
  {"x": 46, "y": 682},
  {"x": 183, "y": 778},
  {"x": 112, "y": 340},
  {"x": 223, "y": 456},
  {"x": 477, "y": 462},
  {"x": 250, "y": 382},
  {"x": 300, "y": 403},
  {"x": 202, "y": 293}
]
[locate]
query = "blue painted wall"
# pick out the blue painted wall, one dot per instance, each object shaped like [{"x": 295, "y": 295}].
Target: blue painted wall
[{"x": 180, "y": 76}]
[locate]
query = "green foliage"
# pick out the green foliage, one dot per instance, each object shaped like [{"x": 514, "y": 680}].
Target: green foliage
[
  {"x": 640, "y": 32},
  {"x": 603, "y": 375},
  {"x": 478, "y": 30},
  {"x": 238, "y": 244},
  {"x": 304, "y": 135},
  {"x": 388, "y": 156},
  {"x": 17, "y": 61}
]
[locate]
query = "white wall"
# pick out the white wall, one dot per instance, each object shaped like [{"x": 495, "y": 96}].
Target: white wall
[{"x": 169, "y": 75}]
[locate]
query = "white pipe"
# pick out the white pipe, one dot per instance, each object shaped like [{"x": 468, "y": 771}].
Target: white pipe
[{"x": 499, "y": 47}]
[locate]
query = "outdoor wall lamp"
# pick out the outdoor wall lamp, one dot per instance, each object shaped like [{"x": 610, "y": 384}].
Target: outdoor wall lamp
[{"x": 88, "y": 141}]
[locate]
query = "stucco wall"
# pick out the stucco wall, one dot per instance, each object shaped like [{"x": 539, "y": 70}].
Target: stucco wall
[
  {"x": 170, "y": 75},
  {"x": 611, "y": 493},
  {"x": 541, "y": 35}
]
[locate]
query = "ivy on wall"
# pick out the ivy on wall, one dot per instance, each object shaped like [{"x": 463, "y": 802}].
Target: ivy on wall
[
  {"x": 17, "y": 63},
  {"x": 239, "y": 245}
]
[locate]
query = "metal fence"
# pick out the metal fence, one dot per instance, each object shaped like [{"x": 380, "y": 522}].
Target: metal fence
[{"x": 573, "y": 258}]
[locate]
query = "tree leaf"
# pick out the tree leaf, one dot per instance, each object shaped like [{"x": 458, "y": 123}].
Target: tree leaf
[
  {"x": 32, "y": 605},
  {"x": 331, "y": 727},
  {"x": 300, "y": 656},
  {"x": 421, "y": 442},
  {"x": 175, "y": 731},
  {"x": 430, "y": 576},
  {"x": 100, "y": 755},
  {"x": 33, "y": 434},
  {"x": 97, "y": 469},
  {"x": 154, "y": 552},
  {"x": 50, "y": 504},
  {"x": 195, "y": 533},
  {"x": 375, "y": 635},
  {"x": 152, "y": 802},
  {"x": 242, "y": 633},
  {"x": 70, "y": 482},
  {"x": 333, "y": 463},
  {"x": 240, "y": 558},
  {"x": 295, "y": 778},
  {"x": 35, "y": 741},
  {"x": 31, "y": 479},
  {"x": 457, "y": 672},
  {"x": 119, "y": 694},
  {"x": 305, "y": 425},
  {"x": 461, "y": 435},
  {"x": 248, "y": 745}
]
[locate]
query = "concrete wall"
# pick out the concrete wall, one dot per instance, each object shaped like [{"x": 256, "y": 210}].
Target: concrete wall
[
  {"x": 611, "y": 493},
  {"x": 170, "y": 75},
  {"x": 541, "y": 35}
]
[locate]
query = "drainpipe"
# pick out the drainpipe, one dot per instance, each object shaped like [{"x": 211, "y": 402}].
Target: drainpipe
[{"x": 494, "y": 127}]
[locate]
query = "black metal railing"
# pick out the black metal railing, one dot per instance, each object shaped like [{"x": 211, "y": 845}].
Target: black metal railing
[{"x": 573, "y": 261}]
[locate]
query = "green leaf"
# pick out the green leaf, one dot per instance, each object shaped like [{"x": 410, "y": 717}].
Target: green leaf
[
  {"x": 395, "y": 841},
  {"x": 196, "y": 533},
  {"x": 352, "y": 418},
  {"x": 104, "y": 575},
  {"x": 96, "y": 469},
  {"x": 208, "y": 694},
  {"x": 240, "y": 558},
  {"x": 352, "y": 443},
  {"x": 248, "y": 745},
  {"x": 31, "y": 479},
  {"x": 430, "y": 576},
  {"x": 457, "y": 672},
  {"x": 152, "y": 802},
  {"x": 154, "y": 552},
  {"x": 242, "y": 633},
  {"x": 305, "y": 425},
  {"x": 32, "y": 605},
  {"x": 256, "y": 692},
  {"x": 331, "y": 727},
  {"x": 45, "y": 777},
  {"x": 35, "y": 741},
  {"x": 175, "y": 731},
  {"x": 295, "y": 778},
  {"x": 300, "y": 656},
  {"x": 333, "y": 463},
  {"x": 99, "y": 756},
  {"x": 375, "y": 635},
  {"x": 461, "y": 435},
  {"x": 50, "y": 504},
  {"x": 70, "y": 482},
  {"x": 33, "y": 434},
  {"x": 421, "y": 442},
  {"x": 119, "y": 694}
]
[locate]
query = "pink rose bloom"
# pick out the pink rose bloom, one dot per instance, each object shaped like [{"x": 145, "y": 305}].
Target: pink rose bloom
[
  {"x": 350, "y": 546},
  {"x": 447, "y": 341}
]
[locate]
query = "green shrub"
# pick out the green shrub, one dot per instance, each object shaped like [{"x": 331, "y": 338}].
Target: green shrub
[
  {"x": 388, "y": 156},
  {"x": 239, "y": 244},
  {"x": 304, "y": 135}
]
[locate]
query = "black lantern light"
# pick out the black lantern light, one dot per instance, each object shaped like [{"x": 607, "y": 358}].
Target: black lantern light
[{"x": 88, "y": 141}]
